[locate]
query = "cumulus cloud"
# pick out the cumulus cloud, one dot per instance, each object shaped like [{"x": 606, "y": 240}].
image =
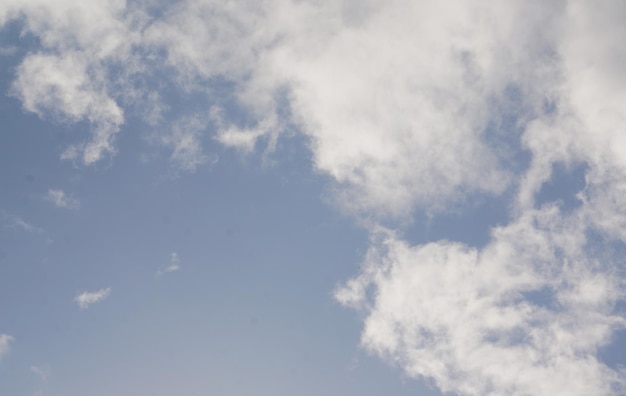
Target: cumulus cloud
[
  {"x": 61, "y": 200},
  {"x": 407, "y": 106},
  {"x": 527, "y": 313},
  {"x": 62, "y": 85},
  {"x": 172, "y": 267},
  {"x": 524, "y": 315},
  {"x": 85, "y": 299},
  {"x": 67, "y": 77},
  {"x": 5, "y": 342}
]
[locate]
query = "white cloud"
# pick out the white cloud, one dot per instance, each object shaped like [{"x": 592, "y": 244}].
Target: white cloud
[
  {"x": 62, "y": 85},
  {"x": 172, "y": 267},
  {"x": 67, "y": 77},
  {"x": 245, "y": 139},
  {"x": 524, "y": 315},
  {"x": 85, "y": 299},
  {"x": 5, "y": 342},
  {"x": 197, "y": 51},
  {"x": 59, "y": 198},
  {"x": 407, "y": 106}
]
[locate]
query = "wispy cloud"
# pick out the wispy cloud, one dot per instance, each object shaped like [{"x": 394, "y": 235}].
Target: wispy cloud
[
  {"x": 44, "y": 375},
  {"x": 184, "y": 139},
  {"x": 66, "y": 80},
  {"x": 172, "y": 267},
  {"x": 5, "y": 343},
  {"x": 85, "y": 299},
  {"x": 23, "y": 225},
  {"x": 42, "y": 372},
  {"x": 61, "y": 200},
  {"x": 12, "y": 221},
  {"x": 62, "y": 85}
]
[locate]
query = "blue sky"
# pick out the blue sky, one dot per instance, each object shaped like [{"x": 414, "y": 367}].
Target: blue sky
[{"x": 315, "y": 197}]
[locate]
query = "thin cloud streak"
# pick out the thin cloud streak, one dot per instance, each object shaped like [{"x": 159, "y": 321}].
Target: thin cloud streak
[
  {"x": 5, "y": 343},
  {"x": 61, "y": 200},
  {"x": 15, "y": 222},
  {"x": 85, "y": 299},
  {"x": 42, "y": 373}
]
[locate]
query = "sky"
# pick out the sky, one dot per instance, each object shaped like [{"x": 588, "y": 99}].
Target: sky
[{"x": 305, "y": 197}]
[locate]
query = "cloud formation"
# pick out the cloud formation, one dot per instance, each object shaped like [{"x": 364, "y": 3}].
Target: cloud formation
[
  {"x": 5, "y": 342},
  {"x": 172, "y": 267},
  {"x": 85, "y": 299},
  {"x": 16, "y": 222},
  {"x": 61, "y": 200},
  {"x": 409, "y": 107},
  {"x": 67, "y": 78},
  {"x": 524, "y": 315},
  {"x": 184, "y": 140},
  {"x": 42, "y": 373}
]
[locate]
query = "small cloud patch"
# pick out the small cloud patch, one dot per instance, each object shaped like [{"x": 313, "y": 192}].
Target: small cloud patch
[
  {"x": 85, "y": 299},
  {"x": 61, "y": 200},
  {"x": 172, "y": 267},
  {"x": 5, "y": 341}
]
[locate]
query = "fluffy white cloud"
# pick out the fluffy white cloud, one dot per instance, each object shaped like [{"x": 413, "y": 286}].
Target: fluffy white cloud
[
  {"x": 406, "y": 105},
  {"x": 85, "y": 299},
  {"x": 61, "y": 84},
  {"x": 67, "y": 77},
  {"x": 524, "y": 315},
  {"x": 5, "y": 342},
  {"x": 60, "y": 199}
]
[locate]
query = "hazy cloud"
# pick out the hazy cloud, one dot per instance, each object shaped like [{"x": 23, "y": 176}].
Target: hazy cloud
[
  {"x": 16, "y": 222},
  {"x": 85, "y": 299},
  {"x": 60, "y": 199},
  {"x": 5, "y": 342},
  {"x": 44, "y": 375},
  {"x": 172, "y": 267},
  {"x": 184, "y": 140}
]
